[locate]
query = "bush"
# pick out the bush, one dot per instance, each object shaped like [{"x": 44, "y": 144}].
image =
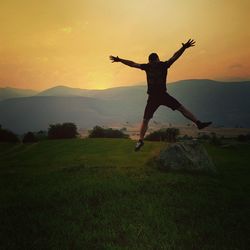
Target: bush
[
  {"x": 29, "y": 138},
  {"x": 41, "y": 135},
  {"x": 169, "y": 135},
  {"x": 186, "y": 138},
  {"x": 124, "y": 129},
  {"x": 7, "y": 136},
  {"x": 202, "y": 136},
  {"x": 214, "y": 140},
  {"x": 99, "y": 132},
  {"x": 62, "y": 131},
  {"x": 244, "y": 138}
]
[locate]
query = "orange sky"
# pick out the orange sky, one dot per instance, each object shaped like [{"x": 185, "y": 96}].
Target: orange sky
[{"x": 58, "y": 42}]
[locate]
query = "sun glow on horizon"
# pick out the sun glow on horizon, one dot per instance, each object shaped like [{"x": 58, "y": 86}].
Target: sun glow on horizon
[{"x": 56, "y": 42}]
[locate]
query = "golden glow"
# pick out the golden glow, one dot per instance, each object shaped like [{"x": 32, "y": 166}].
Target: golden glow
[{"x": 55, "y": 42}]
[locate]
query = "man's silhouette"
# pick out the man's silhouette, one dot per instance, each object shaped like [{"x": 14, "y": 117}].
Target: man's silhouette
[{"x": 156, "y": 72}]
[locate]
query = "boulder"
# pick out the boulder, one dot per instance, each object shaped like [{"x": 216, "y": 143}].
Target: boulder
[{"x": 190, "y": 156}]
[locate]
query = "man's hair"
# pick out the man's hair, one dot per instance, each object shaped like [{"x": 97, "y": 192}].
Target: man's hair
[{"x": 153, "y": 57}]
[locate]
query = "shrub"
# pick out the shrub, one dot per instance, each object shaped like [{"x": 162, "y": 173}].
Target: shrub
[
  {"x": 29, "y": 138},
  {"x": 169, "y": 135},
  {"x": 7, "y": 136},
  {"x": 202, "y": 136},
  {"x": 41, "y": 135},
  {"x": 62, "y": 131},
  {"x": 99, "y": 132},
  {"x": 124, "y": 129},
  {"x": 186, "y": 137},
  {"x": 214, "y": 140},
  {"x": 243, "y": 138}
]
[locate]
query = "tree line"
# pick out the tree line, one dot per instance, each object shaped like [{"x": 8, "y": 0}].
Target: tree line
[{"x": 68, "y": 130}]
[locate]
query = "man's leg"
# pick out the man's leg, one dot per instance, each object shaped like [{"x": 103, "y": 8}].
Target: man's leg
[
  {"x": 191, "y": 117},
  {"x": 151, "y": 107},
  {"x": 144, "y": 128},
  {"x": 187, "y": 114}
]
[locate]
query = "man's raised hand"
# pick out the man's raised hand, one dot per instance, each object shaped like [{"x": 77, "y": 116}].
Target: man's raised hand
[
  {"x": 189, "y": 43},
  {"x": 114, "y": 59}
]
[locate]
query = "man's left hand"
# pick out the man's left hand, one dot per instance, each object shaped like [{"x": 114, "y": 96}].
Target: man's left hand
[{"x": 189, "y": 43}]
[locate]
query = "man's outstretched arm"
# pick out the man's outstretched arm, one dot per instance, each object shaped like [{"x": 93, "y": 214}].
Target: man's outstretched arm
[
  {"x": 177, "y": 54},
  {"x": 126, "y": 62}
]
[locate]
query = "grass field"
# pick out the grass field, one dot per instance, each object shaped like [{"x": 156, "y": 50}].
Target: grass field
[{"x": 99, "y": 194}]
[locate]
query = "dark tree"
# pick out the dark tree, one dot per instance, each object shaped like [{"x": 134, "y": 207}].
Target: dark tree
[
  {"x": 41, "y": 135},
  {"x": 99, "y": 132},
  {"x": 29, "y": 138},
  {"x": 244, "y": 138},
  {"x": 215, "y": 140},
  {"x": 62, "y": 131},
  {"x": 7, "y": 136},
  {"x": 169, "y": 135}
]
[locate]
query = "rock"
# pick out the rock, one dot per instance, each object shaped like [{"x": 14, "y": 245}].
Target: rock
[{"x": 190, "y": 155}]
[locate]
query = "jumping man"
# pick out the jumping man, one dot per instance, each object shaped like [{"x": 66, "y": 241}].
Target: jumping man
[{"x": 156, "y": 72}]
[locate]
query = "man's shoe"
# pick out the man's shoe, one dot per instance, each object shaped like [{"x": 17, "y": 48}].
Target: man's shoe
[
  {"x": 202, "y": 125},
  {"x": 138, "y": 145}
]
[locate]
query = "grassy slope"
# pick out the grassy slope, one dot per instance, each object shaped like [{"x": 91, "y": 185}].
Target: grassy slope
[{"x": 99, "y": 194}]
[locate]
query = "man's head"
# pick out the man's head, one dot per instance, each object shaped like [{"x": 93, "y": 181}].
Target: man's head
[{"x": 153, "y": 57}]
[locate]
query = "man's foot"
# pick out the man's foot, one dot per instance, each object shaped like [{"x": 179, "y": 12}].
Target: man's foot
[
  {"x": 138, "y": 145},
  {"x": 202, "y": 125}
]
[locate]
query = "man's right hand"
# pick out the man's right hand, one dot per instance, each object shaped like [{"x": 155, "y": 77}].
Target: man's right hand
[{"x": 114, "y": 59}]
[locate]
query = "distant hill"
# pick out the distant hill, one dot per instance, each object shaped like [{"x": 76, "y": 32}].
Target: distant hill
[
  {"x": 113, "y": 93},
  {"x": 36, "y": 113},
  {"x": 65, "y": 91},
  {"x": 226, "y": 104},
  {"x": 6, "y": 93}
]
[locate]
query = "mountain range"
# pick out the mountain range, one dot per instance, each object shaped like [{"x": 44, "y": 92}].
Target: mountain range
[
  {"x": 225, "y": 103},
  {"x": 7, "y": 93}
]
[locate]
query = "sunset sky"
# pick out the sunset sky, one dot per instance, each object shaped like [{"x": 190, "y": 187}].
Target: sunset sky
[{"x": 58, "y": 42}]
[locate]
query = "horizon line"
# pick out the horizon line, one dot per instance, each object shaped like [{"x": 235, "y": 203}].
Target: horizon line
[{"x": 133, "y": 85}]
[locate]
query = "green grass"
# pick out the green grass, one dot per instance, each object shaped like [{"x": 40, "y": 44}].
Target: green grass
[{"x": 99, "y": 194}]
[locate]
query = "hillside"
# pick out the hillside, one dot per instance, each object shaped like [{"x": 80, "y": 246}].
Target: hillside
[
  {"x": 36, "y": 113},
  {"x": 7, "y": 93},
  {"x": 66, "y": 91},
  {"x": 100, "y": 194},
  {"x": 226, "y": 104}
]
